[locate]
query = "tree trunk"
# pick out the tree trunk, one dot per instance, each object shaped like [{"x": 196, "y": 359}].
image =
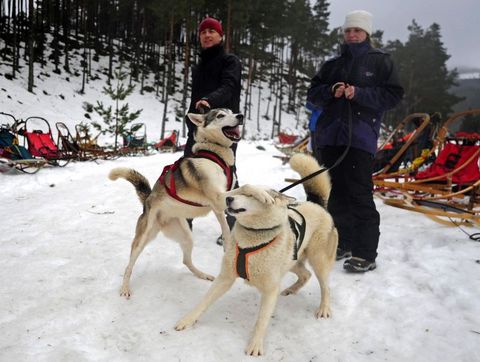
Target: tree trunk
[
  {"x": 56, "y": 35},
  {"x": 66, "y": 34},
  {"x": 292, "y": 77},
  {"x": 169, "y": 77},
  {"x": 30, "y": 46},
  {"x": 14, "y": 45},
  {"x": 228, "y": 34},
  {"x": 85, "y": 45},
  {"x": 186, "y": 76},
  {"x": 258, "y": 104},
  {"x": 247, "y": 89}
]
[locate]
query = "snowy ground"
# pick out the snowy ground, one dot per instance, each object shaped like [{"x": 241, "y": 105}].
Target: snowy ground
[{"x": 65, "y": 235}]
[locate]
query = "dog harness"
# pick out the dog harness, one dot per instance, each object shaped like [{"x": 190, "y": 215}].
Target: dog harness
[
  {"x": 171, "y": 188},
  {"x": 299, "y": 231},
  {"x": 242, "y": 255}
]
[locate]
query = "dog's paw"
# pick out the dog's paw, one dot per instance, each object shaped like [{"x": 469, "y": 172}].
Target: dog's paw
[
  {"x": 288, "y": 291},
  {"x": 205, "y": 276},
  {"x": 259, "y": 193},
  {"x": 323, "y": 312},
  {"x": 125, "y": 292},
  {"x": 255, "y": 348},
  {"x": 184, "y": 323}
]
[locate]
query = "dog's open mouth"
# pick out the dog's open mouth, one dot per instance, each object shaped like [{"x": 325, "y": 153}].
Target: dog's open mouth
[
  {"x": 232, "y": 211},
  {"x": 232, "y": 133}
]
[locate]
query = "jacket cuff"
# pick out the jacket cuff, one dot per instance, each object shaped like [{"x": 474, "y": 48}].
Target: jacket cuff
[{"x": 335, "y": 86}]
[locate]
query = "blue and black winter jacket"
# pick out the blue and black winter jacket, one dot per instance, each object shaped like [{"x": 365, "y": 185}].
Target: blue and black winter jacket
[{"x": 377, "y": 89}]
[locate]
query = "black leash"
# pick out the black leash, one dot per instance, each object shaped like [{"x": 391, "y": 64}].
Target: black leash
[
  {"x": 474, "y": 236},
  {"x": 337, "y": 162}
]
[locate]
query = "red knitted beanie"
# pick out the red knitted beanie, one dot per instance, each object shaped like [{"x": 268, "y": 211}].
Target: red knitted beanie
[{"x": 211, "y": 23}]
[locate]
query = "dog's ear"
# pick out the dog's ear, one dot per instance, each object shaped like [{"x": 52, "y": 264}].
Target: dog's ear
[
  {"x": 197, "y": 119},
  {"x": 282, "y": 199}
]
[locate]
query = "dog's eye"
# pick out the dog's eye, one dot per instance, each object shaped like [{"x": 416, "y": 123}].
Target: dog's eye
[{"x": 220, "y": 115}]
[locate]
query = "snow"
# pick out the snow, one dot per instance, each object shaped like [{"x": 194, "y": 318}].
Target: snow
[
  {"x": 66, "y": 233},
  {"x": 470, "y": 75},
  {"x": 65, "y": 244}
]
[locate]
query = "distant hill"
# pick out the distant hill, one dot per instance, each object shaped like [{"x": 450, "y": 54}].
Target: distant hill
[{"x": 470, "y": 89}]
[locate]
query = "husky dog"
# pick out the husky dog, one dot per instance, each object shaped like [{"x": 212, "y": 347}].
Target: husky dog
[
  {"x": 273, "y": 235},
  {"x": 191, "y": 187}
]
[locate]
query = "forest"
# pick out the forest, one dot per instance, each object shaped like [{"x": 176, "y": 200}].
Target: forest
[{"x": 281, "y": 44}]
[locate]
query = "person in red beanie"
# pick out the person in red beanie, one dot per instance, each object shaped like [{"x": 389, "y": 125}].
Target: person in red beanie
[
  {"x": 216, "y": 78},
  {"x": 216, "y": 82}
]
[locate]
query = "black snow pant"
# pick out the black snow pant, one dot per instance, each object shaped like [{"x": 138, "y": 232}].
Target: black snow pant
[{"x": 351, "y": 200}]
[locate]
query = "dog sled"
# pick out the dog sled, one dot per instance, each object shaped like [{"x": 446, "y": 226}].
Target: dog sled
[
  {"x": 69, "y": 144},
  {"x": 168, "y": 144},
  {"x": 39, "y": 139},
  {"x": 88, "y": 144},
  {"x": 287, "y": 138},
  {"x": 405, "y": 148},
  {"x": 135, "y": 141},
  {"x": 289, "y": 144},
  {"x": 12, "y": 154},
  {"x": 447, "y": 190}
]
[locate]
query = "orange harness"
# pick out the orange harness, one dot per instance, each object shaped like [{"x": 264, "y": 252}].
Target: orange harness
[
  {"x": 241, "y": 259},
  {"x": 242, "y": 255}
]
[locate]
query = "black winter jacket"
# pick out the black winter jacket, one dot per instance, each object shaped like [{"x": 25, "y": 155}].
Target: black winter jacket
[
  {"x": 217, "y": 79},
  {"x": 377, "y": 89}
]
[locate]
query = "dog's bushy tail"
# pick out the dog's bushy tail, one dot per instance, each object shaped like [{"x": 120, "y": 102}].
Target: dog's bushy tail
[
  {"x": 318, "y": 187},
  {"x": 141, "y": 184}
]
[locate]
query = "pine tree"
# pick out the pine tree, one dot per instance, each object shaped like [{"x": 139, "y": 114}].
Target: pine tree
[
  {"x": 423, "y": 72},
  {"x": 115, "y": 121}
]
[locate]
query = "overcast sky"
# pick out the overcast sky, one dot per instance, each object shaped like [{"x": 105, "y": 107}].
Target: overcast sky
[{"x": 458, "y": 20}]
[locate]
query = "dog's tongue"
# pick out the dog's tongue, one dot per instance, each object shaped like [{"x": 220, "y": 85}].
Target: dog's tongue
[{"x": 233, "y": 131}]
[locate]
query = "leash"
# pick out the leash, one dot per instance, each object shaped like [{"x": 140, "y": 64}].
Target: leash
[
  {"x": 337, "y": 162},
  {"x": 473, "y": 236}
]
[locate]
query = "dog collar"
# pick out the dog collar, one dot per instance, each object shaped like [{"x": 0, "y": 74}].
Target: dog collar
[{"x": 259, "y": 230}]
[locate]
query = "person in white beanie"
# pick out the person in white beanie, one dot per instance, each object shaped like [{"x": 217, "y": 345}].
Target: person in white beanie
[{"x": 353, "y": 90}]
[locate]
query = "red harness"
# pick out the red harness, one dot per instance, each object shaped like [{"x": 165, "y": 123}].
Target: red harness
[{"x": 171, "y": 188}]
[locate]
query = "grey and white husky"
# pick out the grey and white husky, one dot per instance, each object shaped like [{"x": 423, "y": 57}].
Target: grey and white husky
[
  {"x": 274, "y": 234},
  {"x": 191, "y": 187}
]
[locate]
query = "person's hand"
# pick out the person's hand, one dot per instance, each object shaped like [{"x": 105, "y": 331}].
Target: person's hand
[
  {"x": 338, "y": 89},
  {"x": 202, "y": 105},
  {"x": 349, "y": 91}
]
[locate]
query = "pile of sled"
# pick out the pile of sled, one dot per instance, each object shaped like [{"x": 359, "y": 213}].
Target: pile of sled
[
  {"x": 431, "y": 169},
  {"x": 424, "y": 166},
  {"x": 29, "y": 145}
]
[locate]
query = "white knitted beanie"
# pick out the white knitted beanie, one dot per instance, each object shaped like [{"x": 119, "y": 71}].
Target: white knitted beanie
[{"x": 359, "y": 19}]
